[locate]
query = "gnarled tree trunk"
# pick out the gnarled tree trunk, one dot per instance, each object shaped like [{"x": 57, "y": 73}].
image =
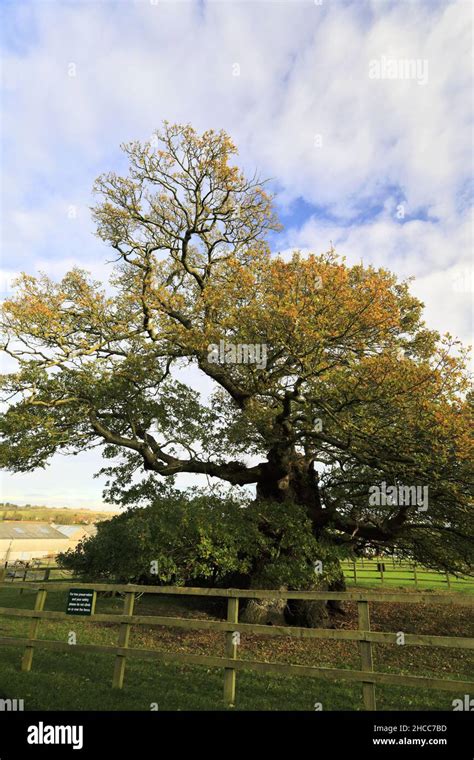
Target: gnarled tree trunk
[{"x": 292, "y": 479}]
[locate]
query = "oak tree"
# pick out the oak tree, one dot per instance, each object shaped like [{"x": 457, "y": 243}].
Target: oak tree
[{"x": 352, "y": 389}]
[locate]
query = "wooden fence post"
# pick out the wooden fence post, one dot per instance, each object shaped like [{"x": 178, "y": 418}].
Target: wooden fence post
[
  {"x": 123, "y": 638},
  {"x": 448, "y": 580},
  {"x": 34, "y": 627},
  {"x": 25, "y": 573},
  {"x": 231, "y": 651},
  {"x": 47, "y": 573},
  {"x": 368, "y": 689}
]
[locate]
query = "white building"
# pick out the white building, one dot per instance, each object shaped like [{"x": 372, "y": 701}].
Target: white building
[{"x": 23, "y": 540}]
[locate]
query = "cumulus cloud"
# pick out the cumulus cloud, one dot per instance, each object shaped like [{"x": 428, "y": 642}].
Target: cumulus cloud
[
  {"x": 291, "y": 83},
  {"x": 437, "y": 256}
]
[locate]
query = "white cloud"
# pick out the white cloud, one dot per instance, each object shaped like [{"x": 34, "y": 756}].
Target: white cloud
[
  {"x": 304, "y": 72},
  {"x": 437, "y": 255}
]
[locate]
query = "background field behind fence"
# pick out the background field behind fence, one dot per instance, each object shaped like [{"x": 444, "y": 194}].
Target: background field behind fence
[
  {"x": 363, "y": 572},
  {"x": 392, "y": 572}
]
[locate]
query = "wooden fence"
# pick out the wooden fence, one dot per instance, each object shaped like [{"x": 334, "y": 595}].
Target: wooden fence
[
  {"x": 231, "y": 664},
  {"x": 12, "y": 571}
]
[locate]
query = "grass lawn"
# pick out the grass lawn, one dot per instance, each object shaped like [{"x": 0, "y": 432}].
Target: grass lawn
[
  {"x": 72, "y": 680},
  {"x": 402, "y": 577}
]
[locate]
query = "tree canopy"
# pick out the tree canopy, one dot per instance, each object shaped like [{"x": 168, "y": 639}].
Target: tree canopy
[
  {"x": 354, "y": 390},
  {"x": 203, "y": 539}
]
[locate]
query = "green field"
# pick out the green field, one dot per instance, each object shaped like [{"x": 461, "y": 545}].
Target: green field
[
  {"x": 74, "y": 681},
  {"x": 403, "y": 575},
  {"x": 61, "y": 515}
]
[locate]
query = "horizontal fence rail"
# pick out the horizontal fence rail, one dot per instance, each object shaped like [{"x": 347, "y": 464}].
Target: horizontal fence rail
[
  {"x": 230, "y": 663},
  {"x": 28, "y": 571}
]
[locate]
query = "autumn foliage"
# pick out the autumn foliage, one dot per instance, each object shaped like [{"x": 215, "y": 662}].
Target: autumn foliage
[{"x": 356, "y": 389}]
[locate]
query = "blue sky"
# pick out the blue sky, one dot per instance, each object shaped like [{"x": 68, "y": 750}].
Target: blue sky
[{"x": 380, "y": 167}]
